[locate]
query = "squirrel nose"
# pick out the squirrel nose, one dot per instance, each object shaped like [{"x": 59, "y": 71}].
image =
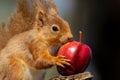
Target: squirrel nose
[{"x": 70, "y": 39}]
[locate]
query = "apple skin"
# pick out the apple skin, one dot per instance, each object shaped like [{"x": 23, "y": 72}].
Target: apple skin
[{"x": 79, "y": 55}]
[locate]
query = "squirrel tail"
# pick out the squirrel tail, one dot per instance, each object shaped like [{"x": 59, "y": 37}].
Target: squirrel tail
[
  {"x": 3, "y": 35},
  {"x": 20, "y": 21}
]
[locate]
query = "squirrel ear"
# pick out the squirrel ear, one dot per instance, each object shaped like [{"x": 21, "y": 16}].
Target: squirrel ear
[
  {"x": 42, "y": 9},
  {"x": 39, "y": 12},
  {"x": 42, "y": 17},
  {"x": 50, "y": 7}
]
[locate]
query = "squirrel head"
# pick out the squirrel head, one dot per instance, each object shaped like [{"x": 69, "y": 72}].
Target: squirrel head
[{"x": 50, "y": 26}]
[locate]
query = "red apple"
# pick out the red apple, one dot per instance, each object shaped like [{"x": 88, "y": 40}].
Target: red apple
[{"x": 79, "y": 55}]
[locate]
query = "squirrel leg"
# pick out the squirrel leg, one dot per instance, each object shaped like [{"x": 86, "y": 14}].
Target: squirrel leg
[
  {"x": 42, "y": 57},
  {"x": 15, "y": 70}
]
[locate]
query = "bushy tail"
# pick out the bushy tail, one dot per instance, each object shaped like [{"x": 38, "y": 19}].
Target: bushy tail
[
  {"x": 20, "y": 21},
  {"x": 3, "y": 35}
]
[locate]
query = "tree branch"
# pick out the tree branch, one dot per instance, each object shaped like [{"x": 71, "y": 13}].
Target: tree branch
[{"x": 80, "y": 76}]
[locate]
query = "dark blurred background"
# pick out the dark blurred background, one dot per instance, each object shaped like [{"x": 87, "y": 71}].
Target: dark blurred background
[
  {"x": 102, "y": 34},
  {"x": 99, "y": 20}
]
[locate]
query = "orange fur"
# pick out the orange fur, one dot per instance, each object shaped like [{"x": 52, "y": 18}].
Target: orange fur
[{"x": 26, "y": 41}]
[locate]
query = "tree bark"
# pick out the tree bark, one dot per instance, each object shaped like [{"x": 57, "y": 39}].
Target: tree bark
[{"x": 80, "y": 76}]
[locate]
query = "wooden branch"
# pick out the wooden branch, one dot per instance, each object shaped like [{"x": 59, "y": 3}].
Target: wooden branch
[{"x": 80, "y": 76}]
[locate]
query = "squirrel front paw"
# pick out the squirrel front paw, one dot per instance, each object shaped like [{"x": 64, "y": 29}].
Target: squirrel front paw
[{"x": 61, "y": 61}]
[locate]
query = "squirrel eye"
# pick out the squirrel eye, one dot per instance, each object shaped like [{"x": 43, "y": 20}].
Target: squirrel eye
[{"x": 55, "y": 28}]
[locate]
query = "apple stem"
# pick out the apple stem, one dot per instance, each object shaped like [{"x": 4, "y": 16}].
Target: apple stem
[{"x": 80, "y": 32}]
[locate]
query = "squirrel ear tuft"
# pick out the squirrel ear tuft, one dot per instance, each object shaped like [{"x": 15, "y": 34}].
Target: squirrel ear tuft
[
  {"x": 50, "y": 7},
  {"x": 39, "y": 12},
  {"x": 42, "y": 9}
]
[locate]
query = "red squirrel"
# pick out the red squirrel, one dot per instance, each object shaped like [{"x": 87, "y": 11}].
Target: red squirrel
[{"x": 26, "y": 40}]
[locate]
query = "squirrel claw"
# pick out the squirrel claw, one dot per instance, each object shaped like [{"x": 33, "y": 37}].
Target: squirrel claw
[
  {"x": 61, "y": 65},
  {"x": 62, "y": 61}
]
